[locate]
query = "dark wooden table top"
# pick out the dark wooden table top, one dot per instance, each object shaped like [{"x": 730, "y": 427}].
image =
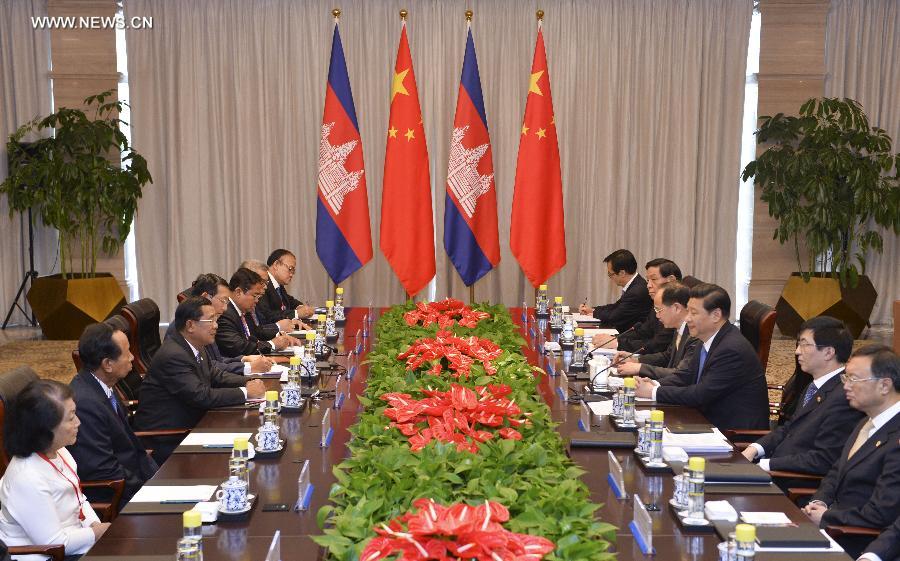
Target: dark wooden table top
[{"x": 275, "y": 481}]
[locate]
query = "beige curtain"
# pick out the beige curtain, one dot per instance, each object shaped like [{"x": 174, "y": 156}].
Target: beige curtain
[
  {"x": 24, "y": 95},
  {"x": 863, "y": 63},
  {"x": 227, "y": 102}
]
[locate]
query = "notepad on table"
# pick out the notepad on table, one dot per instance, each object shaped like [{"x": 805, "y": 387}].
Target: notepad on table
[
  {"x": 214, "y": 439},
  {"x": 173, "y": 493}
]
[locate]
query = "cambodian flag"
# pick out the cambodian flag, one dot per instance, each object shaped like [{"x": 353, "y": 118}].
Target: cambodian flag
[
  {"x": 343, "y": 235},
  {"x": 470, "y": 212}
]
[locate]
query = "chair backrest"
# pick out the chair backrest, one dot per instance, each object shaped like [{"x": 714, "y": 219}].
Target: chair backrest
[
  {"x": 181, "y": 297},
  {"x": 116, "y": 322},
  {"x": 11, "y": 383},
  {"x": 690, "y": 281},
  {"x": 757, "y": 325},
  {"x": 143, "y": 319}
]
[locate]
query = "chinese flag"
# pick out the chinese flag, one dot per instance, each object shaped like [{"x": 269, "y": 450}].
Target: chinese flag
[
  {"x": 407, "y": 222},
  {"x": 537, "y": 230}
]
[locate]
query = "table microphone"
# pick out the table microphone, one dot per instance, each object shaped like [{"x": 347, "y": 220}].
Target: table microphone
[
  {"x": 590, "y": 384},
  {"x": 612, "y": 338}
]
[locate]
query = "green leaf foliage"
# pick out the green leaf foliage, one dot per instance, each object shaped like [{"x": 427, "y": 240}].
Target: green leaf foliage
[
  {"x": 532, "y": 477},
  {"x": 830, "y": 179}
]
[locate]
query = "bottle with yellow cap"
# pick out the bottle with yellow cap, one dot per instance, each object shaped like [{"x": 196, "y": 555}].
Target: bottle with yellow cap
[
  {"x": 745, "y": 542},
  {"x": 578, "y": 362},
  {"x": 696, "y": 469},
  {"x": 628, "y": 387},
  {"x": 339, "y": 317},
  {"x": 240, "y": 459},
  {"x": 294, "y": 365},
  {"x": 567, "y": 336},
  {"x": 190, "y": 546},
  {"x": 319, "y": 343},
  {"x": 270, "y": 410},
  {"x": 331, "y": 333},
  {"x": 308, "y": 366},
  {"x": 657, "y": 425},
  {"x": 542, "y": 303},
  {"x": 556, "y": 314}
]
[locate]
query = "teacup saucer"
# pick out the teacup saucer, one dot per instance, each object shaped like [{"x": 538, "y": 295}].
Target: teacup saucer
[
  {"x": 242, "y": 511},
  {"x": 279, "y": 449}
]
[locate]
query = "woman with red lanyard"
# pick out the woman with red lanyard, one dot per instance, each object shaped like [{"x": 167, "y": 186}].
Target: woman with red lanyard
[{"x": 41, "y": 498}]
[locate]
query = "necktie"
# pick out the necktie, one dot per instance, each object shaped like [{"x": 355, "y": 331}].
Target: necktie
[
  {"x": 702, "y": 362},
  {"x": 115, "y": 405},
  {"x": 811, "y": 390},
  {"x": 198, "y": 358},
  {"x": 246, "y": 327},
  {"x": 861, "y": 438},
  {"x": 284, "y": 297},
  {"x": 677, "y": 340}
]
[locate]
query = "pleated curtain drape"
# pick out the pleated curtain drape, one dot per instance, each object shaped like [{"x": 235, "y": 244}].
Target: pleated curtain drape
[
  {"x": 24, "y": 95},
  {"x": 862, "y": 62},
  {"x": 227, "y": 101}
]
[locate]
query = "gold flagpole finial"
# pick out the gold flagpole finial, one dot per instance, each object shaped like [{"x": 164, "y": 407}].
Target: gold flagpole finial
[
  {"x": 469, "y": 15},
  {"x": 403, "y": 14},
  {"x": 336, "y": 13},
  {"x": 540, "y": 15}
]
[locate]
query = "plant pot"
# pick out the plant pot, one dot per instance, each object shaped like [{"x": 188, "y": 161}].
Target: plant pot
[
  {"x": 64, "y": 307},
  {"x": 801, "y": 300}
]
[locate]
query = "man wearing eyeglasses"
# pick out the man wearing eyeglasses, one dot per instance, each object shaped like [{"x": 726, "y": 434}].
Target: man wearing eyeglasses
[
  {"x": 237, "y": 335},
  {"x": 863, "y": 487},
  {"x": 634, "y": 304},
  {"x": 276, "y": 303},
  {"x": 812, "y": 440}
]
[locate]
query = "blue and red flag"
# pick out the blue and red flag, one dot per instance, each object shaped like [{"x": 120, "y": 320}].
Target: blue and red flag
[
  {"x": 470, "y": 212},
  {"x": 343, "y": 234}
]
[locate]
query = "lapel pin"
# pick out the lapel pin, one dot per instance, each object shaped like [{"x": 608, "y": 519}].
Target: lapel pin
[
  {"x": 877, "y": 443},
  {"x": 818, "y": 399}
]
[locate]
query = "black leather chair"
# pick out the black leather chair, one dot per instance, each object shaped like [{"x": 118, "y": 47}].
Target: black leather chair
[
  {"x": 757, "y": 325},
  {"x": 690, "y": 281},
  {"x": 128, "y": 388},
  {"x": 143, "y": 320},
  {"x": 11, "y": 383}
]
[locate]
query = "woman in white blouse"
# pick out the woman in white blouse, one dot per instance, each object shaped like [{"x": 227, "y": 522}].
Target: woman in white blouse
[{"x": 42, "y": 502}]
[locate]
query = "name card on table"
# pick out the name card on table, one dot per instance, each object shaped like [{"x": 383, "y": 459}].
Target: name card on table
[
  {"x": 365, "y": 327},
  {"x": 563, "y": 388},
  {"x": 352, "y": 363},
  {"x": 359, "y": 340},
  {"x": 304, "y": 488},
  {"x": 340, "y": 390},
  {"x": 616, "y": 477},
  {"x": 274, "y": 553},
  {"x": 585, "y": 422},
  {"x": 327, "y": 431},
  {"x": 641, "y": 527}
]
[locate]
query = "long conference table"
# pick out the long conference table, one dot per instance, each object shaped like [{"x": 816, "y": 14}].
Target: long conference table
[{"x": 152, "y": 537}]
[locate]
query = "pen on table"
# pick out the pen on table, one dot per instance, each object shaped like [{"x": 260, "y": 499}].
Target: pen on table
[{"x": 179, "y": 501}]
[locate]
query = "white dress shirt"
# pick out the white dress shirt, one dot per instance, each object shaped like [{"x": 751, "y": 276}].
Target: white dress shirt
[
  {"x": 40, "y": 506},
  {"x": 819, "y": 382},
  {"x": 627, "y": 284},
  {"x": 706, "y": 344}
]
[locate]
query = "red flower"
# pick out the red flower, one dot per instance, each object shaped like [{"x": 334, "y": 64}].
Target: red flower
[
  {"x": 445, "y": 313},
  {"x": 460, "y": 354}
]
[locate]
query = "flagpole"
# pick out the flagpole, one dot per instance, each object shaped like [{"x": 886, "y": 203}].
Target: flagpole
[
  {"x": 337, "y": 14},
  {"x": 469, "y": 14}
]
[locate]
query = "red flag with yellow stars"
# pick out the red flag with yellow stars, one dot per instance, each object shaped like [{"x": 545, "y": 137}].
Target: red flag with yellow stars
[
  {"x": 537, "y": 229},
  {"x": 407, "y": 222}
]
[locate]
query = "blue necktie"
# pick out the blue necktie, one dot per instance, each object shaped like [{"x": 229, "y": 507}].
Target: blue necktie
[
  {"x": 115, "y": 405},
  {"x": 284, "y": 299},
  {"x": 702, "y": 362},
  {"x": 810, "y": 392}
]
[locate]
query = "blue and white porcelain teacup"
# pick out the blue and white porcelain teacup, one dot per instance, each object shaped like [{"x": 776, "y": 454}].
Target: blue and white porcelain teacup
[
  {"x": 232, "y": 495},
  {"x": 291, "y": 396},
  {"x": 267, "y": 438}
]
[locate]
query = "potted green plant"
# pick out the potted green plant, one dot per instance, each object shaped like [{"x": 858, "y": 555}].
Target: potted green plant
[
  {"x": 831, "y": 181},
  {"x": 85, "y": 181}
]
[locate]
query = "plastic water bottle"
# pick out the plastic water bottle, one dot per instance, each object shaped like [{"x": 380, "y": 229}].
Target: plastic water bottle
[
  {"x": 556, "y": 315},
  {"x": 319, "y": 341},
  {"x": 578, "y": 352},
  {"x": 628, "y": 402},
  {"x": 745, "y": 539},
  {"x": 294, "y": 370},
  {"x": 696, "y": 503},
  {"x": 542, "y": 303},
  {"x": 240, "y": 454},
  {"x": 567, "y": 337},
  {"x": 330, "y": 329},
  {"x": 339, "y": 304},
  {"x": 190, "y": 546},
  {"x": 656, "y": 435}
]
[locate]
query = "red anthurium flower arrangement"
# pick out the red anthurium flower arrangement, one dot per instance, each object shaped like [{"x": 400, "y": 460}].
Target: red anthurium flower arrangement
[
  {"x": 459, "y": 352},
  {"x": 460, "y": 531},
  {"x": 444, "y": 313},
  {"x": 455, "y": 416}
]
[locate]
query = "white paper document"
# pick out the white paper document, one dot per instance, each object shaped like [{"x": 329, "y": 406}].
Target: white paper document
[
  {"x": 301, "y": 333},
  {"x": 765, "y": 518},
  {"x": 703, "y": 443},
  {"x": 173, "y": 493},
  {"x": 584, "y": 318},
  {"x": 601, "y": 407},
  {"x": 213, "y": 438}
]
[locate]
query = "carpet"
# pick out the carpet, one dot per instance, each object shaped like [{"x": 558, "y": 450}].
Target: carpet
[{"x": 50, "y": 359}]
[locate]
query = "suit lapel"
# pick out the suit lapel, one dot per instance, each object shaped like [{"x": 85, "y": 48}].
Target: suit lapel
[
  {"x": 881, "y": 437},
  {"x": 717, "y": 340},
  {"x": 821, "y": 396},
  {"x": 98, "y": 389}
]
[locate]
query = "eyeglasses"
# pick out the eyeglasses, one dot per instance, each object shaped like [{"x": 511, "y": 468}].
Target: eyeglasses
[
  {"x": 611, "y": 274},
  {"x": 256, "y": 297},
  {"x": 656, "y": 309},
  {"x": 292, "y": 270},
  {"x": 201, "y": 320},
  {"x": 806, "y": 345},
  {"x": 848, "y": 380}
]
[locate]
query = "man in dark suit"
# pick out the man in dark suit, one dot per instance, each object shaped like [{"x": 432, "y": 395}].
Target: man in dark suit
[
  {"x": 863, "y": 487},
  {"x": 814, "y": 437},
  {"x": 214, "y": 288},
  {"x": 634, "y": 304},
  {"x": 276, "y": 303},
  {"x": 724, "y": 379},
  {"x": 886, "y": 547},
  {"x": 670, "y": 303},
  {"x": 648, "y": 336},
  {"x": 238, "y": 334},
  {"x": 106, "y": 447},
  {"x": 268, "y": 326},
  {"x": 182, "y": 384}
]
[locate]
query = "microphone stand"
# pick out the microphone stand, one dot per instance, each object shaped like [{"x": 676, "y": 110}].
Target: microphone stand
[{"x": 590, "y": 384}]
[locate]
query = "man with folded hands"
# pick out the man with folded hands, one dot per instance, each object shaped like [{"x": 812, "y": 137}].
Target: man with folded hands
[
  {"x": 670, "y": 305},
  {"x": 181, "y": 384},
  {"x": 814, "y": 437},
  {"x": 863, "y": 486}
]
